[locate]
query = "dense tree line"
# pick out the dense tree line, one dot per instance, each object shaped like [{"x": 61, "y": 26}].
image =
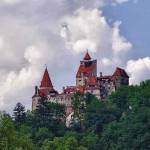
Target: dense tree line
[{"x": 120, "y": 122}]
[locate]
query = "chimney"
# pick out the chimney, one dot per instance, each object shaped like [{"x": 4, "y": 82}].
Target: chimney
[
  {"x": 36, "y": 90},
  {"x": 63, "y": 89},
  {"x": 101, "y": 74}
]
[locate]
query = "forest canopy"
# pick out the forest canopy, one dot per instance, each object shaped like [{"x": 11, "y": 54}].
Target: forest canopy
[{"x": 122, "y": 121}]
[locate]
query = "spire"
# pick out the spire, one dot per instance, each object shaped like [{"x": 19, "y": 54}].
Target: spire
[
  {"x": 87, "y": 56},
  {"x": 46, "y": 81}
]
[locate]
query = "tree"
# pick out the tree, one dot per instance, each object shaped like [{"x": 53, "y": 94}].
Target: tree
[
  {"x": 42, "y": 113},
  {"x": 49, "y": 115},
  {"x": 90, "y": 141},
  {"x": 41, "y": 135},
  {"x": 78, "y": 105},
  {"x": 132, "y": 130},
  {"x": 98, "y": 114},
  {"x": 12, "y": 139},
  {"x": 62, "y": 143},
  {"x": 19, "y": 113},
  {"x": 58, "y": 118}
]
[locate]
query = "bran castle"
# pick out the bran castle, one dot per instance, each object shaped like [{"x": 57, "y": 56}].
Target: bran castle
[{"x": 86, "y": 81}]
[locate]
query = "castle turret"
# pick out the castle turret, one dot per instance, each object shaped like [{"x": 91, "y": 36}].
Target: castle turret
[
  {"x": 87, "y": 69},
  {"x": 120, "y": 77},
  {"x": 46, "y": 84},
  {"x": 46, "y": 88}
]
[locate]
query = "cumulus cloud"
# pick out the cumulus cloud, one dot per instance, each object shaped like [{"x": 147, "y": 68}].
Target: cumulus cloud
[
  {"x": 11, "y": 1},
  {"x": 35, "y": 33},
  {"x": 17, "y": 82},
  {"x": 119, "y": 42},
  {"x": 1, "y": 42},
  {"x": 121, "y": 1},
  {"x": 80, "y": 30},
  {"x": 138, "y": 70},
  {"x": 116, "y": 2},
  {"x": 88, "y": 29}
]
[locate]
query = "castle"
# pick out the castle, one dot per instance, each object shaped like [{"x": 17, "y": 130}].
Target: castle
[{"x": 86, "y": 81}]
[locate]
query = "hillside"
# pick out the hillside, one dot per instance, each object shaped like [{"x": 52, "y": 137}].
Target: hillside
[{"x": 122, "y": 121}]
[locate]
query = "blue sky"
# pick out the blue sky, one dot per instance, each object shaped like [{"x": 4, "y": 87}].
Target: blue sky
[
  {"x": 135, "y": 24},
  {"x": 57, "y": 33}
]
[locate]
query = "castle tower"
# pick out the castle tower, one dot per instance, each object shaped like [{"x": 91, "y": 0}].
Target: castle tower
[
  {"x": 46, "y": 88},
  {"x": 46, "y": 84},
  {"x": 120, "y": 77},
  {"x": 87, "y": 69}
]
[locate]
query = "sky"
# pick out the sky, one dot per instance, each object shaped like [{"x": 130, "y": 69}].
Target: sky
[{"x": 57, "y": 33}]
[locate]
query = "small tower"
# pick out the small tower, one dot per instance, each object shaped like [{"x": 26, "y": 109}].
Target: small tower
[
  {"x": 46, "y": 84},
  {"x": 120, "y": 77},
  {"x": 87, "y": 69},
  {"x": 46, "y": 88}
]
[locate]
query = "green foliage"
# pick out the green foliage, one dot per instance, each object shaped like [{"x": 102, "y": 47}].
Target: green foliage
[
  {"x": 49, "y": 115},
  {"x": 91, "y": 141},
  {"x": 98, "y": 114},
  {"x": 82, "y": 148},
  {"x": 132, "y": 130},
  {"x": 62, "y": 143},
  {"x": 78, "y": 105},
  {"x": 19, "y": 113},
  {"x": 41, "y": 135},
  {"x": 42, "y": 114},
  {"x": 121, "y": 122},
  {"x": 121, "y": 97},
  {"x": 10, "y": 138}
]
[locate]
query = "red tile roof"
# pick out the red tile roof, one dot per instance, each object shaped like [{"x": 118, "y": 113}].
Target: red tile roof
[
  {"x": 81, "y": 89},
  {"x": 120, "y": 72},
  {"x": 46, "y": 81},
  {"x": 47, "y": 92},
  {"x": 86, "y": 70},
  {"x": 43, "y": 91},
  {"x": 87, "y": 56},
  {"x": 92, "y": 81},
  {"x": 70, "y": 89}
]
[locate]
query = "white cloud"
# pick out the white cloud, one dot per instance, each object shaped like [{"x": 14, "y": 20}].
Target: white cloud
[
  {"x": 1, "y": 42},
  {"x": 121, "y": 1},
  {"x": 88, "y": 29},
  {"x": 31, "y": 38},
  {"x": 80, "y": 30},
  {"x": 15, "y": 83},
  {"x": 32, "y": 54},
  {"x": 138, "y": 70},
  {"x": 107, "y": 61},
  {"x": 11, "y": 1},
  {"x": 119, "y": 42}
]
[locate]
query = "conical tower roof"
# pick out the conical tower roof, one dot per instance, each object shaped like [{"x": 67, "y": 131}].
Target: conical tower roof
[
  {"x": 46, "y": 81},
  {"x": 87, "y": 56}
]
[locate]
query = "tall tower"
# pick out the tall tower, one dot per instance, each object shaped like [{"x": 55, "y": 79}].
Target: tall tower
[{"x": 87, "y": 69}]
